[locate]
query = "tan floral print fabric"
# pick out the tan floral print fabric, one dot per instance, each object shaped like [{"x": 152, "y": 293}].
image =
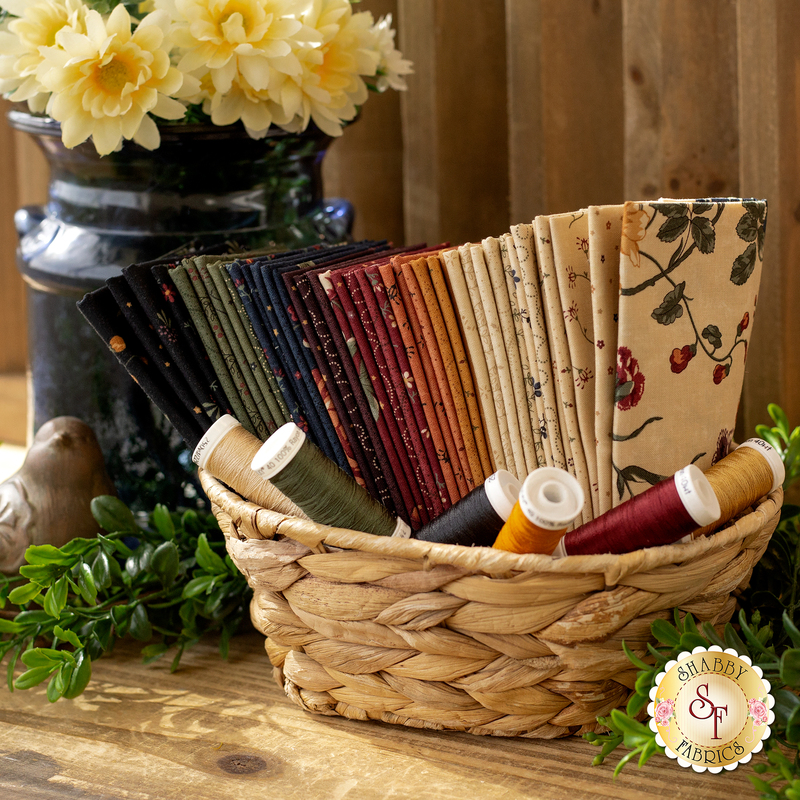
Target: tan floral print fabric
[
  {"x": 689, "y": 276},
  {"x": 570, "y": 239},
  {"x": 605, "y": 230},
  {"x": 532, "y": 314},
  {"x": 562, "y": 361}
]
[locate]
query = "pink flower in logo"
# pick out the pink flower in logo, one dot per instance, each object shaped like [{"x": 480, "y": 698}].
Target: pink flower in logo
[
  {"x": 665, "y": 711},
  {"x": 758, "y": 711}
]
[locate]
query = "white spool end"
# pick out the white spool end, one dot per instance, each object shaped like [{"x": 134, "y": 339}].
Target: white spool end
[
  {"x": 212, "y": 437},
  {"x": 773, "y": 459},
  {"x": 278, "y": 450},
  {"x": 551, "y": 498},
  {"x": 697, "y": 495},
  {"x": 502, "y": 492}
]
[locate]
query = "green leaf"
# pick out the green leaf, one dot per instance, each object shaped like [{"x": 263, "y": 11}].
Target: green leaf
[
  {"x": 714, "y": 336},
  {"x": 86, "y": 585},
  {"x": 747, "y": 227},
  {"x": 732, "y": 640},
  {"x": 197, "y": 586},
  {"x": 673, "y": 228},
  {"x": 113, "y": 515},
  {"x": 790, "y": 668},
  {"x": 33, "y": 677},
  {"x": 24, "y": 594},
  {"x": 56, "y": 597},
  {"x": 101, "y": 571},
  {"x": 153, "y": 652},
  {"x": 744, "y": 265},
  {"x": 12, "y": 663},
  {"x": 80, "y": 676},
  {"x": 793, "y": 727},
  {"x": 43, "y": 574},
  {"x": 703, "y": 234},
  {"x": 165, "y": 563},
  {"x": 670, "y": 308},
  {"x": 68, "y": 636},
  {"x": 162, "y": 519},
  {"x": 140, "y": 627},
  {"x": 55, "y": 688},
  {"x": 42, "y": 657},
  {"x": 207, "y": 559},
  {"x": 44, "y": 554},
  {"x": 780, "y": 419},
  {"x": 639, "y": 474},
  {"x": 9, "y": 626},
  {"x": 665, "y": 632}
]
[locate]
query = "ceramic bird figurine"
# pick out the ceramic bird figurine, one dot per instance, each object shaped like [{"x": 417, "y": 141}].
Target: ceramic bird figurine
[{"x": 48, "y": 500}]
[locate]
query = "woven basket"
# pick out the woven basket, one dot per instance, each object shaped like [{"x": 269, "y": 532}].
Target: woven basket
[{"x": 469, "y": 639}]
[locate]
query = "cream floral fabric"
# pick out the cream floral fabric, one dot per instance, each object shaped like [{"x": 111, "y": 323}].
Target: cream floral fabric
[
  {"x": 689, "y": 277},
  {"x": 570, "y": 240},
  {"x": 506, "y": 303},
  {"x": 532, "y": 313},
  {"x": 605, "y": 230},
  {"x": 562, "y": 360}
]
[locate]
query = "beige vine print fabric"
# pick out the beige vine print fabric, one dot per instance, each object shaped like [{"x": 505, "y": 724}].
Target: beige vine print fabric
[
  {"x": 605, "y": 231},
  {"x": 570, "y": 240},
  {"x": 689, "y": 277},
  {"x": 530, "y": 373},
  {"x": 532, "y": 312},
  {"x": 562, "y": 362},
  {"x": 475, "y": 353},
  {"x": 497, "y": 275}
]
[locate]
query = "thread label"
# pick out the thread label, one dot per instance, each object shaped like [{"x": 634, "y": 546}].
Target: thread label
[
  {"x": 284, "y": 455},
  {"x": 401, "y": 530},
  {"x": 710, "y": 709}
]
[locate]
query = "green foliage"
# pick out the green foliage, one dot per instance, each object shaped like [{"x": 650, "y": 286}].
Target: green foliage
[
  {"x": 164, "y": 582},
  {"x": 767, "y": 631}
]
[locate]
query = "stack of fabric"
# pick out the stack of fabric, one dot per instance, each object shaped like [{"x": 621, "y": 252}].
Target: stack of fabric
[{"x": 610, "y": 342}]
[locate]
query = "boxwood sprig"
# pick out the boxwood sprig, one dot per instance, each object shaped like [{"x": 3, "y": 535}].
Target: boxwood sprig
[{"x": 165, "y": 580}]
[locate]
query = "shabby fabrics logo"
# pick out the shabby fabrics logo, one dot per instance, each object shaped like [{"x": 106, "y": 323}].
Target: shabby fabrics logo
[{"x": 711, "y": 709}]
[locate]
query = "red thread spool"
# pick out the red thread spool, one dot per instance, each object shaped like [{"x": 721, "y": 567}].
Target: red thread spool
[{"x": 663, "y": 514}]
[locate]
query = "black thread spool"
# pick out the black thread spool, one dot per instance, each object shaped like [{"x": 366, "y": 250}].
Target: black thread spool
[{"x": 476, "y": 519}]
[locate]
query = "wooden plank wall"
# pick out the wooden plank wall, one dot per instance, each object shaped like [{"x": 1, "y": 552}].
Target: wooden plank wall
[{"x": 523, "y": 107}]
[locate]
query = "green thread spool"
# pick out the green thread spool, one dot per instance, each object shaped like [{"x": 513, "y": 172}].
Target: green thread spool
[{"x": 327, "y": 494}]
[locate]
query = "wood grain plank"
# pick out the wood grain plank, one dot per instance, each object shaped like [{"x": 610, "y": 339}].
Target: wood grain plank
[
  {"x": 699, "y": 99},
  {"x": 642, "y": 100},
  {"x": 760, "y": 138},
  {"x": 365, "y": 165},
  {"x": 583, "y": 103},
  {"x": 13, "y": 331},
  {"x": 455, "y": 121},
  {"x": 525, "y": 109},
  {"x": 140, "y": 732}
]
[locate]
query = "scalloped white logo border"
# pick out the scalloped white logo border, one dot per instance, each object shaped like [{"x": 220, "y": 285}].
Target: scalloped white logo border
[{"x": 674, "y": 664}]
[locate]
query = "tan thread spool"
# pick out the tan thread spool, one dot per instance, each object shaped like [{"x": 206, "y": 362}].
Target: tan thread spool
[
  {"x": 752, "y": 470},
  {"x": 549, "y": 500},
  {"x": 225, "y": 451}
]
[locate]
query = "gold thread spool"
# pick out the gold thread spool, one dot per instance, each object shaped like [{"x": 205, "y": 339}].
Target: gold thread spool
[
  {"x": 752, "y": 470},
  {"x": 549, "y": 500},
  {"x": 225, "y": 451}
]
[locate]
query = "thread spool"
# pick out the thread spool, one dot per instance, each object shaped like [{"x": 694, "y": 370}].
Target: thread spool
[
  {"x": 225, "y": 451},
  {"x": 752, "y": 470},
  {"x": 549, "y": 500},
  {"x": 663, "y": 514},
  {"x": 476, "y": 519},
  {"x": 327, "y": 494}
]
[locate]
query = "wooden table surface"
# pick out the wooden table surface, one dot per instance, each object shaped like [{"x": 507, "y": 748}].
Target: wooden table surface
[{"x": 217, "y": 729}]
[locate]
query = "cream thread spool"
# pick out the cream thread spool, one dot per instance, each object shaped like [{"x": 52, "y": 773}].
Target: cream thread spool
[
  {"x": 476, "y": 519},
  {"x": 746, "y": 474},
  {"x": 327, "y": 494},
  {"x": 661, "y": 515},
  {"x": 549, "y": 500},
  {"x": 225, "y": 451}
]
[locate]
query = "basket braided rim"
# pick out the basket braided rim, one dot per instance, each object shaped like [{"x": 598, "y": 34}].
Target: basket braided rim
[{"x": 446, "y": 637}]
